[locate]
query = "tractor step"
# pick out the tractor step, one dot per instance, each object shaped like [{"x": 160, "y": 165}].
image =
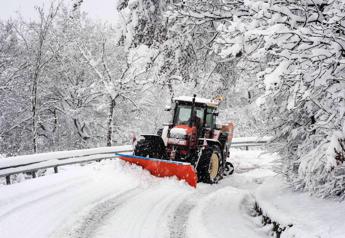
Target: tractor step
[{"x": 164, "y": 168}]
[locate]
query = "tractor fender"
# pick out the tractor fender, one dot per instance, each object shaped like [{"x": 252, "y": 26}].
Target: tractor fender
[
  {"x": 210, "y": 142},
  {"x": 156, "y": 139},
  {"x": 213, "y": 142}
]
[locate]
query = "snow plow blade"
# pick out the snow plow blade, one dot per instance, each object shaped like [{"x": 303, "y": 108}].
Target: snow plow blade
[{"x": 164, "y": 168}]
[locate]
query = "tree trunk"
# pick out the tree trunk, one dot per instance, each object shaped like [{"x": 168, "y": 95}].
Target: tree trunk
[
  {"x": 112, "y": 105},
  {"x": 34, "y": 110},
  {"x": 171, "y": 90}
]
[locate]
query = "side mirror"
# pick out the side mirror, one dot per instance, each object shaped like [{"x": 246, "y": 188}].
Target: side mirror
[
  {"x": 215, "y": 114},
  {"x": 167, "y": 108}
]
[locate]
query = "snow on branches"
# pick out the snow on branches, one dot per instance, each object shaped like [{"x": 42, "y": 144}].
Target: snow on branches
[
  {"x": 303, "y": 44},
  {"x": 297, "y": 48}
]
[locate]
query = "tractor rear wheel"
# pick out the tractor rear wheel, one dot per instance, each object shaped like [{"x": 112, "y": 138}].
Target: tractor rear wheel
[{"x": 210, "y": 165}]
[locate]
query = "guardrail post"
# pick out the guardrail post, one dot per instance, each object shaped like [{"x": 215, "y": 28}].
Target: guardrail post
[
  {"x": 8, "y": 179},
  {"x": 56, "y": 169}
]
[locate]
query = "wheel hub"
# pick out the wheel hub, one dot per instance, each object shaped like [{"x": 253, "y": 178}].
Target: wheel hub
[{"x": 214, "y": 166}]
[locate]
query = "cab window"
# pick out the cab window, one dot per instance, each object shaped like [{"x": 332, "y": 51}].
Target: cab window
[
  {"x": 183, "y": 115},
  {"x": 210, "y": 120}
]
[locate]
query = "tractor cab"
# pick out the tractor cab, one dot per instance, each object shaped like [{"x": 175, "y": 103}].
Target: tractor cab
[
  {"x": 200, "y": 113},
  {"x": 193, "y": 118}
]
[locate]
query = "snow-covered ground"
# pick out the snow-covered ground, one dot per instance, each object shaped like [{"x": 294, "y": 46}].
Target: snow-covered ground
[
  {"x": 114, "y": 199},
  {"x": 311, "y": 217}
]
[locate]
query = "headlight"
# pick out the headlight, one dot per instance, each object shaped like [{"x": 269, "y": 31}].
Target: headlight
[{"x": 179, "y": 136}]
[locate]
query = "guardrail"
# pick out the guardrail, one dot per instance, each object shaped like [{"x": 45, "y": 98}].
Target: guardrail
[
  {"x": 32, "y": 163},
  {"x": 250, "y": 141}
]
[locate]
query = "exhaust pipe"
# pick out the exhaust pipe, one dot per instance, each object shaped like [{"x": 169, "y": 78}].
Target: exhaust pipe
[{"x": 192, "y": 118}]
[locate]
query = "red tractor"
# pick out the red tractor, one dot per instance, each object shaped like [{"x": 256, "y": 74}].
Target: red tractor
[{"x": 193, "y": 147}]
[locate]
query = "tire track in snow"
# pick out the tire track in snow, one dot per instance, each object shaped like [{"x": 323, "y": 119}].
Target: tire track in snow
[
  {"x": 145, "y": 215},
  {"x": 99, "y": 213},
  {"x": 21, "y": 195},
  {"x": 47, "y": 194},
  {"x": 178, "y": 223}
]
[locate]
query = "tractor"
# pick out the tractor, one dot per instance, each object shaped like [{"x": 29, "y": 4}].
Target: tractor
[{"x": 192, "y": 140}]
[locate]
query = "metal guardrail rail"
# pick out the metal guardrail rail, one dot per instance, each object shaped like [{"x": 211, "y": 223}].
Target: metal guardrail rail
[
  {"x": 250, "y": 141},
  {"x": 32, "y": 163}
]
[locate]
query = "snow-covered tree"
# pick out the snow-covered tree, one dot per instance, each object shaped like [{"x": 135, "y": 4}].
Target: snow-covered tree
[
  {"x": 146, "y": 24},
  {"x": 200, "y": 23},
  {"x": 35, "y": 50},
  {"x": 13, "y": 102},
  {"x": 302, "y": 46},
  {"x": 86, "y": 84}
]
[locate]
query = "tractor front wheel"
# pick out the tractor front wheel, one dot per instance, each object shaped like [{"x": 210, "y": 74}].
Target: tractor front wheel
[
  {"x": 152, "y": 148},
  {"x": 229, "y": 169},
  {"x": 144, "y": 148}
]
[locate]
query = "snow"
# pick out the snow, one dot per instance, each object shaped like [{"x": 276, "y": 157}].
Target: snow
[
  {"x": 44, "y": 204},
  {"x": 274, "y": 78},
  {"x": 209, "y": 102},
  {"x": 177, "y": 132},
  {"x": 115, "y": 199},
  {"x": 211, "y": 217},
  {"x": 236, "y": 48},
  {"x": 311, "y": 217},
  {"x": 152, "y": 210}
]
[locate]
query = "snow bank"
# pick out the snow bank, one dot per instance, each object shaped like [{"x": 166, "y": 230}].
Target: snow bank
[
  {"x": 311, "y": 217},
  {"x": 219, "y": 214}
]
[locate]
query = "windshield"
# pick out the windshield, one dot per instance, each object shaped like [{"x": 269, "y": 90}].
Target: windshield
[{"x": 183, "y": 114}]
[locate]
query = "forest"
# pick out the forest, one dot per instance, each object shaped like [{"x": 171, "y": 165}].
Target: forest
[{"x": 68, "y": 82}]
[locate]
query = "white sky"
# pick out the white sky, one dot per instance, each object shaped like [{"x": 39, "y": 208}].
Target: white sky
[{"x": 96, "y": 9}]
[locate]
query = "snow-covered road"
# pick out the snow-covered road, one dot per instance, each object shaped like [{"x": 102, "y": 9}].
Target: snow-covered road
[{"x": 113, "y": 199}]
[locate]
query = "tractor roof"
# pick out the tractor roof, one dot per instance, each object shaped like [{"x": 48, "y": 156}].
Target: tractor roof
[{"x": 208, "y": 102}]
